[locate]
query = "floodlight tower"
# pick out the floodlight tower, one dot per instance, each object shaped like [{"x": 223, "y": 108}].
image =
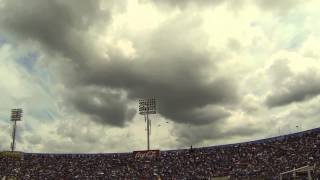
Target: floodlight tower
[
  {"x": 146, "y": 107},
  {"x": 16, "y": 115}
]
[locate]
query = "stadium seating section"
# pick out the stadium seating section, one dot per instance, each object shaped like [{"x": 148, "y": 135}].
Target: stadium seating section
[{"x": 262, "y": 159}]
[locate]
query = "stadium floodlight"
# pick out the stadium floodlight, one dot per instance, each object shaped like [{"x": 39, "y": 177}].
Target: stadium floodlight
[
  {"x": 146, "y": 107},
  {"x": 16, "y": 115}
]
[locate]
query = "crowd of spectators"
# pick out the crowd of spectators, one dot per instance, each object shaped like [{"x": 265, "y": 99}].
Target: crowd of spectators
[{"x": 251, "y": 160}]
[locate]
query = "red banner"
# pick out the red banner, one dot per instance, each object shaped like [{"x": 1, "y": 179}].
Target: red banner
[{"x": 151, "y": 154}]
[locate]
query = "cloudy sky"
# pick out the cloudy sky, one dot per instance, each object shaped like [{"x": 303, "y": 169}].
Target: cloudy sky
[{"x": 221, "y": 71}]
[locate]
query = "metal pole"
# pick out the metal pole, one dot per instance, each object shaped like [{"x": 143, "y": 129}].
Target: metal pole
[
  {"x": 148, "y": 131},
  {"x": 147, "y": 106},
  {"x": 14, "y": 136}
]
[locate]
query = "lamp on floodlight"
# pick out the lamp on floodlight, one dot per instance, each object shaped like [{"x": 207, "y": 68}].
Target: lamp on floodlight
[
  {"x": 16, "y": 115},
  {"x": 146, "y": 107}
]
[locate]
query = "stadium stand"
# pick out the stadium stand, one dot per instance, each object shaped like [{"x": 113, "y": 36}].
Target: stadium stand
[{"x": 261, "y": 159}]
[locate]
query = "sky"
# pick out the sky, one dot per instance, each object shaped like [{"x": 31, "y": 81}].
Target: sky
[{"x": 221, "y": 71}]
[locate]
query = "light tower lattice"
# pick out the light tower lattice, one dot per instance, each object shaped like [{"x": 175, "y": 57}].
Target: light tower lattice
[
  {"x": 16, "y": 115},
  {"x": 147, "y": 107}
]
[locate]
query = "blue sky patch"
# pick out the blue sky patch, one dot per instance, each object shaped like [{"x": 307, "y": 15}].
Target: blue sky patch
[
  {"x": 28, "y": 60},
  {"x": 2, "y": 41},
  {"x": 297, "y": 41}
]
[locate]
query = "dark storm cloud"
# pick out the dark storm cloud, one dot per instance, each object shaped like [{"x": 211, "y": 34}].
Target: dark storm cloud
[
  {"x": 172, "y": 63},
  {"x": 297, "y": 88},
  {"x": 196, "y": 135},
  {"x": 102, "y": 105},
  {"x": 62, "y": 29},
  {"x": 60, "y": 26},
  {"x": 182, "y": 78},
  {"x": 180, "y": 88}
]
